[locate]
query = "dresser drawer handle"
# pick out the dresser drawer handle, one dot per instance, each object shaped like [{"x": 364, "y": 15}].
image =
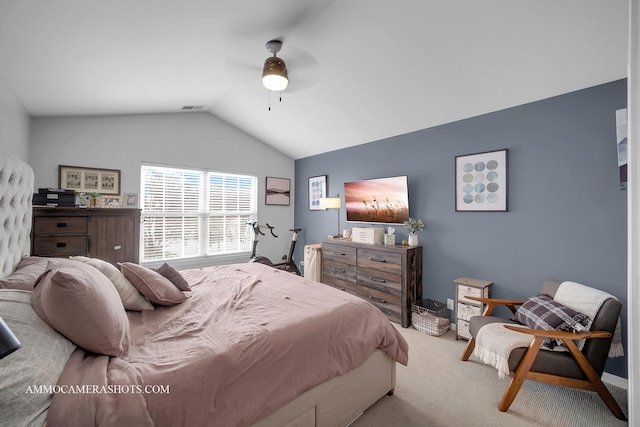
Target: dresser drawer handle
[
  {"x": 61, "y": 225},
  {"x": 339, "y": 288},
  {"x": 61, "y": 245},
  {"x": 380, "y": 300},
  {"x": 340, "y": 253},
  {"x": 339, "y": 270},
  {"x": 377, "y": 279},
  {"x": 377, "y": 260}
]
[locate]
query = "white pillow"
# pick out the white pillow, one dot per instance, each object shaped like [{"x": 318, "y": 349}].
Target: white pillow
[{"x": 131, "y": 298}]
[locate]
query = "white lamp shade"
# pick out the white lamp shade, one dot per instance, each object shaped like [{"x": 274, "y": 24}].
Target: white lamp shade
[
  {"x": 330, "y": 203},
  {"x": 274, "y": 74}
]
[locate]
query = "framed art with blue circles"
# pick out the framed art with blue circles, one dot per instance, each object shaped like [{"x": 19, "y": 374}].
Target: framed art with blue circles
[
  {"x": 317, "y": 191},
  {"x": 481, "y": 182}
]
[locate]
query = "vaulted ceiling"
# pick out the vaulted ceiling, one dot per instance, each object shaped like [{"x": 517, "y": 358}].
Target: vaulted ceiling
[{"x": 359, "y": 70}]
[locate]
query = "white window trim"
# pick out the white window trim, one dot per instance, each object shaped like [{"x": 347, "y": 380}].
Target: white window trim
[{"x": 204, "y": 215}]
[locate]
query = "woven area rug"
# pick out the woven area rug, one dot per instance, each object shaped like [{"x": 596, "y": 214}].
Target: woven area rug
[{"x": 438, "y": 389}]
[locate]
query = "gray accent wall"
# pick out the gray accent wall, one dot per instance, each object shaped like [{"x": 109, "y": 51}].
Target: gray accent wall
[{"x": 567, "y": 215}]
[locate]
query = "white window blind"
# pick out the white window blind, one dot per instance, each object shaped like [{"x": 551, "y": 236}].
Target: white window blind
[{"x": 190, "y": 213}]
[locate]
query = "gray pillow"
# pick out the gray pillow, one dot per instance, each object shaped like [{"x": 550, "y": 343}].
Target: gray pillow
[
  {"x": 174, "y": 277},
  {"x": 81, "y": 303},
  {"x": 39, "y": 362}
]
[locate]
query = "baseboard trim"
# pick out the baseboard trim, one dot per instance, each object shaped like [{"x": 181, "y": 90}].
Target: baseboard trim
[{"x": 615, "y": 380}]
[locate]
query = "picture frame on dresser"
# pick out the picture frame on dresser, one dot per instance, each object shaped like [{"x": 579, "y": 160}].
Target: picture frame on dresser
[
  {"x": 130, "y": 200},
  {"x": 111, "y": 202},
  {"x": 89, "y": 180}
]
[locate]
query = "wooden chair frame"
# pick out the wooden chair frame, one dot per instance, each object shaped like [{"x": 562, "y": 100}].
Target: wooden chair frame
[{"x": 522, "y": 372}]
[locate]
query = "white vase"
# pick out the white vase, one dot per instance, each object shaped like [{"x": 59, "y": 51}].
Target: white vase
[{"x": 413, "y": 240}]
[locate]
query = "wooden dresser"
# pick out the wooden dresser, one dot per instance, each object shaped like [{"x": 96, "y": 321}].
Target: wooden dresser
[
  {"x": 390, "y": 277},
  {"x": 109, "y": 234}
]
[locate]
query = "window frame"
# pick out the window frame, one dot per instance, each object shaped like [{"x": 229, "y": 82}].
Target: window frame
[{"x": 204, "y": 214}]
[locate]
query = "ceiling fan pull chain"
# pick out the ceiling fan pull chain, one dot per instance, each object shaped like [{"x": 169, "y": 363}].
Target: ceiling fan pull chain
[
  {"x": 280, "y": 96},
  {"x": 269, "y": 100}
]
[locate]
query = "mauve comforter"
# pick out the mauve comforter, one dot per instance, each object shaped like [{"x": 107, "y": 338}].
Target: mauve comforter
[{"x": 249, "y": 340}]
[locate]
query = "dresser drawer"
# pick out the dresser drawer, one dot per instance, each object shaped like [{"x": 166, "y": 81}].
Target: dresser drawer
[
  {"x": 466, "y": 311},
  {"x": 469, "y": 291},
  {"x": 388, "y": 303},
  {"x": 462, "y": 329},
  {"x": 379, "y": 260},
  {"x": 339, "y": 253},
  {"x": 60, "y": 245},
  {"x": 339, "y": 270},
  {"x": 59, "y": 225},
  {"x": 380, "y": 280},
  {"x": 340, "y": 284}
]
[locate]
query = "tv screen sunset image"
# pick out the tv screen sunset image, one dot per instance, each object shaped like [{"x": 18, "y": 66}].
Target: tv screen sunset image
[{"x": 382, "y": 200}]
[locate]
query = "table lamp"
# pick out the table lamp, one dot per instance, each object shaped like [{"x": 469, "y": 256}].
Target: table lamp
[{"x": 332, "y": 203}]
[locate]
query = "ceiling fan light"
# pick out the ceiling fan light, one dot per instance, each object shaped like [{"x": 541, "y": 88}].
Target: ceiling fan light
[{"x": 274, "y": 74}]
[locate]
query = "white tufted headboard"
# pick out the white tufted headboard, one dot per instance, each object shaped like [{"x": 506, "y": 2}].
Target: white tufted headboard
[{"x": 16, "y": 193}]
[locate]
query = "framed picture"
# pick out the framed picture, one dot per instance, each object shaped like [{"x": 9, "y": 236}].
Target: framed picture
[
  {"x": 481, "y": 182},
  {"x": 317, "y": 191},
  {"x": 111, "y": 202},
  {"x": 130, "y": 200},
  {"x": 278, "y": 191},
  {"x": 89, "y": 180}
]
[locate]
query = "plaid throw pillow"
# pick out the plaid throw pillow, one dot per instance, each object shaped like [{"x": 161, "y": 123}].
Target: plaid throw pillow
[{"x": 542, "y": 312}]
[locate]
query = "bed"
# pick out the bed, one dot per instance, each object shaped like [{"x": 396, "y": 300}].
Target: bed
[{"x": 235, "y": 345}]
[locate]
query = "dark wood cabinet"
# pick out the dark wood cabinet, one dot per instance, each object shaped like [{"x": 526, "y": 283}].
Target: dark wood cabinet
[
  {"x": 109, "y": 234},
  {"x": 388, "y": 276}
]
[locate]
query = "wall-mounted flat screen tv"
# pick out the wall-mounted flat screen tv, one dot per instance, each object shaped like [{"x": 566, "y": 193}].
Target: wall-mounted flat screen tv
[{"x": 381, "y": 200}]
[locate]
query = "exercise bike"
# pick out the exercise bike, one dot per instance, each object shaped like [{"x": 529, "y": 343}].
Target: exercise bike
[{"x": 287, "y": 264}]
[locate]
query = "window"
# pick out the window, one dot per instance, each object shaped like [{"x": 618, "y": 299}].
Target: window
[{"x": 190, "y": 212}]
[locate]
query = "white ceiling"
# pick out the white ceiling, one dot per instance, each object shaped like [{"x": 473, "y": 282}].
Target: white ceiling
[{"x": 360, "y": 70}]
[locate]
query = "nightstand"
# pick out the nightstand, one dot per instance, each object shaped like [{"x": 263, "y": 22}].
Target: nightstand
[{"x": 465, "y": 307}]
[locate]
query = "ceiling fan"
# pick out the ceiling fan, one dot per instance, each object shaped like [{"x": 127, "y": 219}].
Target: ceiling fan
[{"x": 274, "y": 74}]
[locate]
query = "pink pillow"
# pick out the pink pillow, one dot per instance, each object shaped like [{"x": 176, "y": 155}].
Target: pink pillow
[
  {"x": 154, "y": 286},
  {"x": 26, "y": 273},
  {"x": 82, "y": 304}
]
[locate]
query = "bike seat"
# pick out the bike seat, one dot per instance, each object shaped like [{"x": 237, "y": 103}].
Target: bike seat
[{"x": 295, "y": 230}]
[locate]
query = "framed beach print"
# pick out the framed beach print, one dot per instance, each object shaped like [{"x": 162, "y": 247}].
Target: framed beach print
[
  {"x": 317, "y": 191},
  {"x": 481, "y": 182},
  {"x": 89, "y": 180},
  {"x": 278, "y": 191}
]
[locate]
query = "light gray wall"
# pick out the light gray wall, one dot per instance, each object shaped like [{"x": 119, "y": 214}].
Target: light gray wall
[
  {"x": 14, "y": 124},
  {"x": 567, "y": 214},
  {"x": 185, "y": 139}
]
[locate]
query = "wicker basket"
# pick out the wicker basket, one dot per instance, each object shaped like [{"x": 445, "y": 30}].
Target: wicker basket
[{"x": 430, "y": 317}]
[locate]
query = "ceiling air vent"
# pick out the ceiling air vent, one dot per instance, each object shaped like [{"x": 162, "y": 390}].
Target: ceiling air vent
[{"x": 193, "y": 107}]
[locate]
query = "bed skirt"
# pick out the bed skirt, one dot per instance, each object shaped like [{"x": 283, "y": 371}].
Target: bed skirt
[{"x": 340, "y": 400}]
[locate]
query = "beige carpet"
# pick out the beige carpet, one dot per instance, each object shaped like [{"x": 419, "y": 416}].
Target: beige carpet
[{"x": 438, "y": 389}]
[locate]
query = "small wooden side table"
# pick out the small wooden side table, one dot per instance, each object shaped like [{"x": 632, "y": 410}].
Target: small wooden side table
[{"x": 466, "y": 308}]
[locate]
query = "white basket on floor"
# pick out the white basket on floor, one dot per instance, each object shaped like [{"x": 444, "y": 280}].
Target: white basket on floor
[{"x": 430, "y": 317}]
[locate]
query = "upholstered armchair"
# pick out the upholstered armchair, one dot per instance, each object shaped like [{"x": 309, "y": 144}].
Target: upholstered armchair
[{"x": 579, "y": 364}]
